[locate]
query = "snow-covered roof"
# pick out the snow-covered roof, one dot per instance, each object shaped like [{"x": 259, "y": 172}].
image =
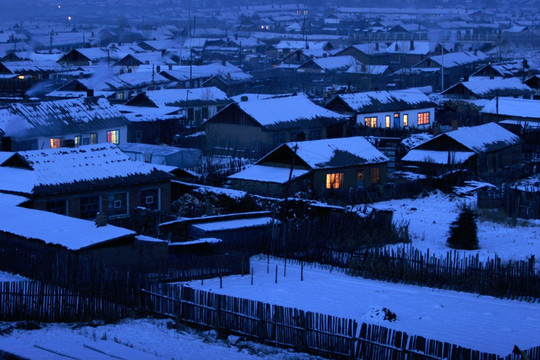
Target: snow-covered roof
[
  {"x": 437, "y": 157},
  {"x": 207, "y": 71},
  {"x": 451, "y": 60},
  {"x": 286, "y": 109},
  {"x": 25, "y": 67},
  {"x": 372, "y": 101},
  {"x": 147, "y": 113},
  {"x": 505, "y": 106},
  {"x": 486, "y": 87},
  {"x": 72, "y": 233},
  {"x": 60, "y": 117},
  {"x": 411, "y": 47},
  {"x": 295, "y": 44},
  {"x": 88, "y": 164},
  {"x": 233, "y": 224},
  {"x": 334, "y": 63},
  {"x": 271, "y": 174},
  {"x": 360, "y": 68},
  {"x": 483, "y": 138},
  {"x": 179, "y": 97}
]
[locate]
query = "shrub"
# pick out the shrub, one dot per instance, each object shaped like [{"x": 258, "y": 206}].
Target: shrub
[{"x": 463, "y": 230}]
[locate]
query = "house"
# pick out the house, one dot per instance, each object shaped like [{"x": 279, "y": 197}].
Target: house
[
  {"x": 191, "y": 106},
  {"x": 503, "y": 108},
  {"x": 16, "y": 77},
  {"x": 489, "y": 151},
  {"x": 331, "y": 64},
  {"x": 259, "y": 125},
  {"x": 53, "y": 124},
  {"x": 194, "y": 76},
  {"x": 29, "y": 230},
  {"x": 488, "y": 88},
  {"x": 164, "y": 155},
  {"x": 506, "y": 69},
  {"x": 386, "y": 109},
  {"x": 368, "y": 53},
  {"x": 229, "y": 228},
  {"x": 82, "y": 182},
  {"x": 319, "y": 168},
  {"x": 90, "y": 56}
]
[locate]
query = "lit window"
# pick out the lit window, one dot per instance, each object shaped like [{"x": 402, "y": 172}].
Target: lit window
[
  {"x": 56, "y": 143},
  {"x": 360, "y": 178},
  {"x": 113, "y": 136},
  {"x": 118, "y": 204},
  {"x": 387, "y": 121},
  {"x": 20, "y": 77},
  {"x": 77, "y": 140},
  {"x": 120, "y": 95},
  {"x": 371, "y": 121},
  {"x": 405, "y": 120},
  {"x": 93, "y": 138},
  {"x": 423, "y": 118},
  {"x": 375, "y": 177},
  {"x": 150, "y": 199},
  {"x": 334, "y": 181}
]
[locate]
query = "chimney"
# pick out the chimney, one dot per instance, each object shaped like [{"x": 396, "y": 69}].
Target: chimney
[
  {"x": 81, "y": 75},
  {"x": 158, "y": 69},
  {"x": 396, "y": 47},
  {"x": 90, "y": 93},
  {"x": 101, "y": 219},
  {"x": 455, "y": 124},
  {"x": 376, "y": 46},
  {"x": 475, "y": 52},
  {"x": 243, "y": 98},
  {"x": 412, "y": 44},
  {"x": 223, "y": 62},
  {"x": 236, "y": 36},
  {"x": 170, "y": 66}
]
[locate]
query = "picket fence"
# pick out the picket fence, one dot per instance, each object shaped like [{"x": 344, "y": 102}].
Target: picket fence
[
  {"x": 314, "y": 333},
  {"x": 36, "y": 301}
]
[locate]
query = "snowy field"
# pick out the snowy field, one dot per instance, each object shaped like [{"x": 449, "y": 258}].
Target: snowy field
[
  {"x": 430, "y": 217},
  {"x": 143, "y": 339},
  {"x": 479, "y": 322}
]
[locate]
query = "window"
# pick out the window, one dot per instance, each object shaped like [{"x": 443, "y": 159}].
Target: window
[
  {"x": 315, "y": 134},
  {"x": 113, "y": 136},
  {"x": 77, "y": 141},
  {"x": 93, "y": 138},
  {"x": 387, "y": 121},
  {"x": 89, "y": 207},
  {"x": 423, "y": 118},
  {"x": 371, "y": 121},
  {"x": 150, "y": 199},
  {"x": 360, "y": 178},
  {"x": 138, "y": 136},
  {"x": 117, "y": 204},
  {"x": 120, "y": 95},
  {"x": 375, "y": 177},
  {"x": 190, "y": 114},
  {"x": 57, "y": 207},
  {"x": 405, "y": 120},
  {"x": 56, "y": 143},
  {"x": 334, "y": 181},
  {"x": 278, "y": 138},
  {"x": 204, "y": 111}
]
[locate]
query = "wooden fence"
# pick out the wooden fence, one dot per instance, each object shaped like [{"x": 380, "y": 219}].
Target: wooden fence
[
  {"x": 36, "y": 301},
  {"x": 517, "y": 203},
  {"x": 314, "y": 333}
]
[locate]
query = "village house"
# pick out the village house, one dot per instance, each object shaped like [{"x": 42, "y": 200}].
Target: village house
[
  {"x": 257, "y": 126},
  {"x": 54, "y": 124},
  {"x": 157, "y": 116},
  {"x": 488, "y": 151},
  {"x": 16, "y": 77},
  {"x": 318, "y": 168},
  {"x": 409, "y": 108},
  {"x": 35, "y": 232},
  {"x": 488, "y": 88},
  {"x": 86, "y": 181}
]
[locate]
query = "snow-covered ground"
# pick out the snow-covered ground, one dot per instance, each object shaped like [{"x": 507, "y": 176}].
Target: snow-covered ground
[
  {"x": 478, "y": 322},
  {"x": 141, "y": 339},
  {"x": 7, "y": 277},
  {"x": 429, "y": 221}
]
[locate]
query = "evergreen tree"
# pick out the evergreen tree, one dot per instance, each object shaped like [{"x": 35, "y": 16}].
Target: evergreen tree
[{"x": 463, "y": 230}]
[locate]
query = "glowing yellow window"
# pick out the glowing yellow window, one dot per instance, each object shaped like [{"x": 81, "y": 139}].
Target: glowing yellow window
[
  {"x": 113, "y": 136},
  {"x": 405, "y": 120},
  {"x": 371, "y": 121},
  {"x": 56, "y": 143},
  {"x": 387, "y": 121},
  {"x": 334, "y": 181}
]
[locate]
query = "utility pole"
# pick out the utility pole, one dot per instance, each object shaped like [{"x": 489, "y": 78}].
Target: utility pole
[{"x": 295, "y": 148}]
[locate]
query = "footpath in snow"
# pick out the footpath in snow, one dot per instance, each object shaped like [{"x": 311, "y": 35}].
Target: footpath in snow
[{"x": 479, "y": 322}]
